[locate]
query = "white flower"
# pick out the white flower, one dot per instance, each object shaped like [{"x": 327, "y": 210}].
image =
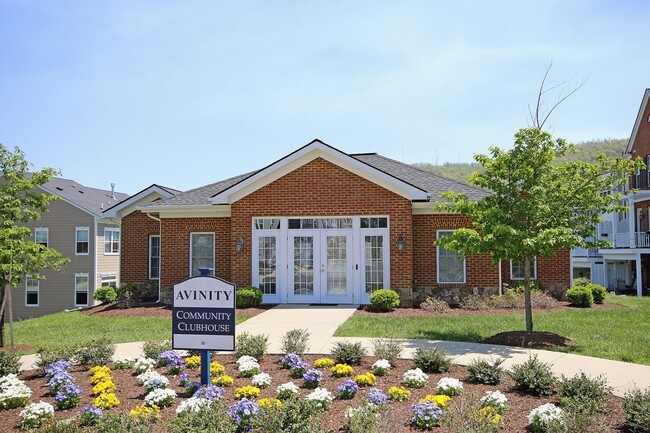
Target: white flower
[
  {"x": 496, "y": 399},
  {"x": 261, "y": 380},
  {"x": 13, "y": 392},
  {"x": 248, "y": 368},
  {"x": 148, "y": 374},
  {"x": 34, "y": 414},
  {"x": 415, "y": 378},
  {"x": 144, "y": 364},
  {"x": 193, "y": 404},
  {"x": 450, "y": 386},
  {"x": 244, "y": 359},
  {"x": 381, "y": 364},
  {"x": 322, "y": 396},
  {"x": 288, "y": 388},
  {"x": 156, "y": 382},
  {"x": 161, "y": 397},
  {"x": 544, "y": 416},
  {"x": 124, "y": 362}
]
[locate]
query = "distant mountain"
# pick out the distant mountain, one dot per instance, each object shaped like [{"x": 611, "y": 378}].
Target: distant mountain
[{"x": 584, "y": 151}]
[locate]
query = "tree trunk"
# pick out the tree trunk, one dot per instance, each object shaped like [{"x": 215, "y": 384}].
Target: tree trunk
[{"x": 528, "y": 307}]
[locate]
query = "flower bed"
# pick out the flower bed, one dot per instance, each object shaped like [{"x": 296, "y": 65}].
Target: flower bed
[{"x": 131, "y": 395}]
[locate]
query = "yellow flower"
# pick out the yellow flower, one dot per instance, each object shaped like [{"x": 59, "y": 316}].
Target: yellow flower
[
  {"x": 217, "y": 369},
  {"x": 269, "y": 402},
  {"x": 489, "y": 414},
  {"x": 247, "y": 391},
  {"x": 145, "y": 412},
  {"x": 367, "y": 379},
  {"x": 102, "y": 374},
  {"x": 224, "y": 380},
  {"x": 193, "y": 361},
  {"x": 106, "y": 401},
  {"x": 324, "y": 363},
  {"x": 438, "y": 399},
  {"x": 341, "y": 370},
  {"x": 103, "y": 387},
  {"x": 399, "y": 394}
]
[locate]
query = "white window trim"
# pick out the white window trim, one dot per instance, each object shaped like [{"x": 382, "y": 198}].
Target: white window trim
[
  {"x": 532, "y": 277},
  {"x": 214, "y": 251},
  {"x": 159, "y": 255},
  {"x": 438, "y": 232},
  {"x": 76, "y": 240},
  {"x": 74, "y": 294},
  {"x": 47, "y": 234},
  {"x": 111, "y": 230},
  {"x": 113, "y": 277},
  {"x": 38, "y": 291}
]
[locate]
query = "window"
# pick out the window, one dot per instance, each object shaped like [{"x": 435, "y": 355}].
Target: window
[
  {"x": 374, "y": 222},
  {"x": 81, "y": 284},
  {"x": 267, "y": 264},
  {"x": 109, "y": 280},
  {"x": 154, "y": 257},
  {"x": 517, "y": 269},
  {"x": 201, "y": 252},
  {"x": 42, "y": 236},
  {"x": 374, "y": 262},
  {"x": 111, "y": 241},
  {"x": 451, "y": 265},
  {"x": 82, "y": 236},
  {"x": 32, "y": 290},
  {"x": 647, "y": 167}
]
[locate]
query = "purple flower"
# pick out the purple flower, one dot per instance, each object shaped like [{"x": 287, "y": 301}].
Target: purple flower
[
  {"x": 312, "y": 378},
  {"x": 376, "y": 396},
  {"x": 298, "y": 369},
  {"x": 425, "y": 415},
  {"x": 243, "y": 412},
  {"x": 90, "y": 415},
  {"x": 57, "y": 367},
  {"x": 168, "y": 357},
  {"x": 67, "y": 396},
  {"x": 289, "y": 360},
  {"x": 209, "y": 392},
  {"x": 348, "y": 389},
  {"x": 58, "y": 379},
  {"x": 184, "y": 379}
]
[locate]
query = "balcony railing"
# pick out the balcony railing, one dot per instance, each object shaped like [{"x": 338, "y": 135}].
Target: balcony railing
[{"x": 622, "y": 240}]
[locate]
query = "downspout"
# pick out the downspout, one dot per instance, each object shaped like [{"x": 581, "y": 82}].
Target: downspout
[
  {"x": 500, "y": 280},
  {"x": 95, "y": 254},
  {"x": 160, "y": 264}
]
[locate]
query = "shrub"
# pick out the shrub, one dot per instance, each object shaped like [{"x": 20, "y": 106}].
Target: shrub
[
  {"x": 583, "y": 388},
  {"x": 431, "y": 360},
  {"x": 598, "y": 292},
  {"x": 384, "y": 300},
  {"x": 387, "y": 348},
  {"x": 295, "y": 341},
  {"x": 533, "y": 377},
  {"x": 248, "y": 297},
  {"x": 345, "y": 352},
  {"x": 105, "y": 294},
  {"x": 485, "y": 372},
  {"x": 474, "y": 302},
  {"x": 435, "y": 305},
  {"x": 213, "y": 418},
  {"x": 369, "y": 418},
  {"x": 542, "y": 299},
  {"x": 152, "y": 349},
  {"x": 123, "y": 423},
  {"x": 581, "y": 281},
  {"x": 580, "y": 296},
  {"x": 251, "y": 345},
  {"x": 292, "y": 416},
  {"x": 462, "y": 416},
  {"x": 48, "y": 355},
  {"x": 636, "y": 405},
  {"x": 95, "y": 352},
  {"x": 60, "y": 426},
  {"x": 9, "y": 363}
]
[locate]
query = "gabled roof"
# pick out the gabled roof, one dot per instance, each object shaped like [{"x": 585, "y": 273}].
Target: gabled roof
[
  {"x": 91, "y": 200},
  {"x": 148, "y": 195},
  {"x": 639, "y": 119},
  {"x": 420, "y": 183}
]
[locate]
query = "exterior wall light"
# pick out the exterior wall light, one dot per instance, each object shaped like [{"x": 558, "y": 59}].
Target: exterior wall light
[
  {"x": 239, "y": 244},
  {"x": 401, "y": 244}
]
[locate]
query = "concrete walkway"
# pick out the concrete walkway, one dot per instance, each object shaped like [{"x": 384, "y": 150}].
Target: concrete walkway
[{"x": 322, "y": 321}]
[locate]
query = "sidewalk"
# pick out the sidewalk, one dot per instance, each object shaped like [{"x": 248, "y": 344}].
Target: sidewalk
[{"x": 322, "y": 321}]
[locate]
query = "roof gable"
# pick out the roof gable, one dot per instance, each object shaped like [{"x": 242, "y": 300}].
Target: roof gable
[
  {"x": 307, "y": 153},
  {"x": 146, "y": 196},
  {"x": 638, "y": 122}
]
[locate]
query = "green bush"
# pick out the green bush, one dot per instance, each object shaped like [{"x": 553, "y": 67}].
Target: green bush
[
  {"x": 384, "y": 300},
  {"x": 60, "y": 426},
  {"x": 387, "y": 348},
  {"x": 248, "y": 297},
  {"x": 295, "y": 341},
  {"x": 431, "y": 360},
  {"x": 212, "y": 419},
  {"x": 581, "y": 387},
  {"x": 99, "y": 351},
  {"x": 105, "y": 294},
  {"x": 580, "y": 296},
  {"x": 348, "y": 353},
  {"x": 293, "y": 416},
  {"x": 151, "y": 349},
  {"x": 251, "y": 345},
  {"x": 485, "y": 372},
  {"x": 369, "y": 418},
  {"x": 533, "y": 377},
  {"x": 9, "y": 363},
  {"x": 123, "y": 423},
  {"x": 636, "y": 405},
  {"x": 598, "y": 292},
  {"x": 474, "y": 302},
  {"x": 47, "y": 355},
  {"x": 581, "y": 282}
]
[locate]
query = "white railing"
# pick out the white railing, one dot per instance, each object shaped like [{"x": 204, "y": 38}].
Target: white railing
[{"x": 642, "y": 239}]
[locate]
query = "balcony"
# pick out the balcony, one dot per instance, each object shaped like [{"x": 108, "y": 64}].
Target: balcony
[{"x": 622, "y": 240}]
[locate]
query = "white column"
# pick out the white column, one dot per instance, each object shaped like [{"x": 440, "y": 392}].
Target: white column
[
  {"x": 631, "y": 212},
  {"x": 639, "y": 279},
  {"x": 605, "y": 280}
]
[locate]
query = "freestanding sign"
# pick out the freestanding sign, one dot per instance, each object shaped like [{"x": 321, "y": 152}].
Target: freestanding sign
[{"x": 204, "y": 314}]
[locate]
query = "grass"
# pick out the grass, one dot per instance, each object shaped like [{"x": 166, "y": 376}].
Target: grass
[
  {"x": 71, "y": 328},
  {"x": 621, "y": 334}
]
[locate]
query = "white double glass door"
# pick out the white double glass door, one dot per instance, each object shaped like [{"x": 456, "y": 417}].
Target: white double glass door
[{"x": 320, "y": 266}]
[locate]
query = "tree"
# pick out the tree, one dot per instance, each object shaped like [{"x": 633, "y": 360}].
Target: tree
[
  {"x": 21, "y": 202},
  {"x": 536, "y": 207}
]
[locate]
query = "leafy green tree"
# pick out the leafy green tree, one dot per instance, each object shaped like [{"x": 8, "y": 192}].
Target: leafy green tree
[
  {"x": 535, "y": 207},
  {"x": 21, "y": 202}
]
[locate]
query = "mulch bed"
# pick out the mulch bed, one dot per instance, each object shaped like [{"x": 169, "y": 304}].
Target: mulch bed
[
  {"x": 158, "y": 310},
  {"x": 131, "y": 395}
]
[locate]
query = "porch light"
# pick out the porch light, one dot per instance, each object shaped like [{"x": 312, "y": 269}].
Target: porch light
[
  {"x": 239, "y": 244},
  {"x": 401, "y": 244}
]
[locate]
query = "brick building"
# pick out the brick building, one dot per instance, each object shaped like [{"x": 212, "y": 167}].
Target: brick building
[{"x": 316, "y": 226}]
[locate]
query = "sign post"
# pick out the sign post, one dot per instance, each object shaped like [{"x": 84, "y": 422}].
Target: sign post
[{"x": 203, "y": 318}]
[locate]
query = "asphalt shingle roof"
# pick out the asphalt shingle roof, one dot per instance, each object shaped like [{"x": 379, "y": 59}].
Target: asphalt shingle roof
[
  {"x": 92, "y": 200},
  {"x": 201, "y": 195}
]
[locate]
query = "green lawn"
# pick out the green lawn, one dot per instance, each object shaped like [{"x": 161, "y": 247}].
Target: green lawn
[
  {"x": 614, "y": 333},
  {"x": 67, "y": 329}
]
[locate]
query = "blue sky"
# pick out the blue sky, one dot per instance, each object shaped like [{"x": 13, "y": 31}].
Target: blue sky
[{"x": 186, "y": 93}]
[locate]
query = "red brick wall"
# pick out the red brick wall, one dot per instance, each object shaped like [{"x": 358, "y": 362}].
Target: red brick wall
[
  {"x": 643, "y": 205},
  {"x": 641, "y": 143},
  {"x": 480, "y": 271},
  {"x": 320, "y": 188},
  {"x": 554, "y": 270},
  {"x": 134, "y": 244},
  {"x": 175, "y": 247}
]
